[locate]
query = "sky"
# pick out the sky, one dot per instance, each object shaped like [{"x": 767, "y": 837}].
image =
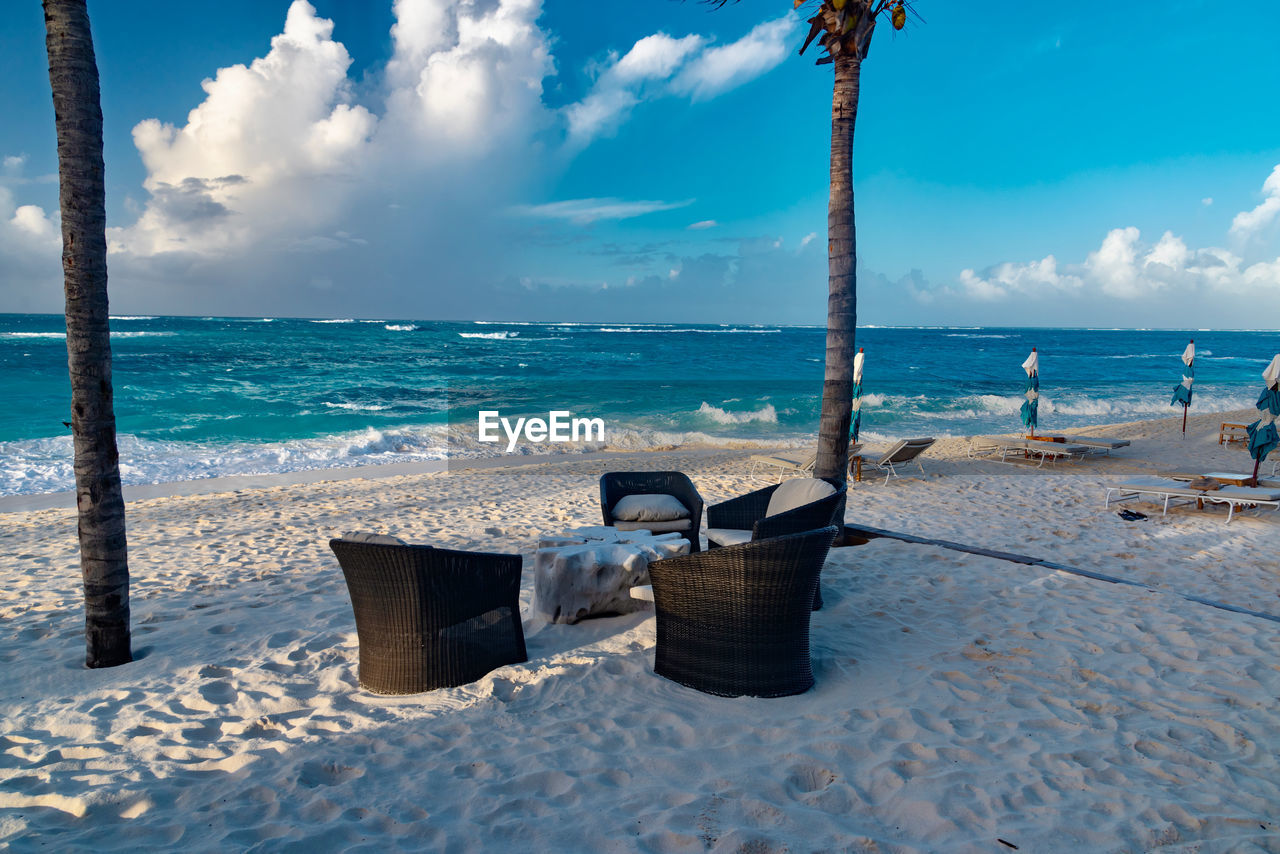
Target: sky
[{"x": 661, "y": 161}]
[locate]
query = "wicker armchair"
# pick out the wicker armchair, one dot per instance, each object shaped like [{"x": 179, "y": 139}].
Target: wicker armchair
[
  {"x": 747, "y": 513},
  {"x": 616, "y": 485},
  {"x": 735, "y": 620},
  {"x": 431, "y": 618}
]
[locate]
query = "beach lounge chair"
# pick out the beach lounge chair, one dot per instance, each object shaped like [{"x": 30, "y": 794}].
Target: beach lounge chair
[
  {"x": 735, "y": 620},
  {"x": 1041, "y": 449},
  {"x": 905, "y": 451},
  {"x": 774, "y": 467},
  {"x": 798, "y": 504},
  {"x": 1092, "y": 444},
  {"x": 1234, "y": 497},
  {"x": 430, "y": 618}
]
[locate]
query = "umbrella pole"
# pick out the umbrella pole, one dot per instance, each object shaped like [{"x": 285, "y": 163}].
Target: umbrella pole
[
  {"x": 1256, "y": 464},
  {"x": 1184, "y": 420}
]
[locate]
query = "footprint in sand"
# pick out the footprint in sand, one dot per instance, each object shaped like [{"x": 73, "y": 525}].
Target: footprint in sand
[
  {"x": 219, "y": 693},
  {"x": 807, "y": 779},
  {"x": 316, "y": 774},
  {"x": 504, "y": 690},
  {"x": 284, "y": 638}
]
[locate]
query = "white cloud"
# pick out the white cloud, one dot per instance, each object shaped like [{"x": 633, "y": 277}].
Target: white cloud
[
  {"x": 259, "y": 154},
  {"x": 286, "y": 173},
  {"x": 720, "y": 69},
  {"x": 703, "y": 225},
  {"x": 1126, "y": 270},
  {"x": 1249, "y": 223},
  {"x": 465, "y": 76},
  {"x": 659, "y": 64},
  {"x": 1112, "y": 265},
  {"x": 1207, "y": 201},
  {"x": 26, "y": 228},
  {"x": 585, "y": 211},
  {"x": 808, "y": 238},
  {"x": 31, "y": 221},
  {"x": 619, "y": 86},
  {"x": 279, "y": 151},
  {"x": 655, "y": 57},
  {"x": 1007, "y": 279},
  {"x": 30, "y": 249}
]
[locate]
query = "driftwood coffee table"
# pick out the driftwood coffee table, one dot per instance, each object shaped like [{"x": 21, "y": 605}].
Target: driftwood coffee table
[{"x": 590, "y": 571}]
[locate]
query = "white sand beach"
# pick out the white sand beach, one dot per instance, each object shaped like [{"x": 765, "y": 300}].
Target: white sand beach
[{"x": 963, "y": 702}]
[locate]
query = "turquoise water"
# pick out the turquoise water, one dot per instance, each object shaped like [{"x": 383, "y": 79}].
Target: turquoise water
[{"x": 203, "y": 397}]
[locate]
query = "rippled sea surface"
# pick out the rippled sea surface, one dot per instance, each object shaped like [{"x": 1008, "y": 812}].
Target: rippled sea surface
[{"x": 203, "y": 397}]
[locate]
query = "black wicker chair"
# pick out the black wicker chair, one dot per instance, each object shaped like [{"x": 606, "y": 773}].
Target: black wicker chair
[
  {"x": 735, "y": 620},
  {"x": 431, "y": 618},
  {"x": 616, "y": 485},
  {"x": 747, "y": 513}
]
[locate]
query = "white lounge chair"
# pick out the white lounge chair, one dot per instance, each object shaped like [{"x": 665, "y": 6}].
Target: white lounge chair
[
  {"x": 905, "y": 451},
  {"x": 1095, "y": 445},
  {"x": 1044, "y": 450},
  {"x": 1232, "y": 496},
  {"x": 784, "y": 463}
]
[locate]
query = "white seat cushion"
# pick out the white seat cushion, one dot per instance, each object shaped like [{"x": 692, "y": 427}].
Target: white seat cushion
[
  {"x": 797, "y": 492},
  {"x": 727, "y": 536},
  {"x": 378, "y": 539},
  {"x": 649, "y": 508},
  {"x": 655, "y": 527}
]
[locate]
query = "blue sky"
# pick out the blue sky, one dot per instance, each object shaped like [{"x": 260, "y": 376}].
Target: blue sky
[{"x": 661, "y": 161}]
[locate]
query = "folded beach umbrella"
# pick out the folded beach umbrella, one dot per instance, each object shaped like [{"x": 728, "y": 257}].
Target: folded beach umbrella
[
  {"x": 1031, "y": 406},
  {"x": 1182, "y": 391},
  {"x": 857, "y": 395},
  {"x": 1263, "y": 437}
]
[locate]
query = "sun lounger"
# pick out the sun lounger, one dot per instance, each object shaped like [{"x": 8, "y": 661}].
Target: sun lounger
[
  {"x": 1232, "y": 496},
  {"x": 1092, "y": 444},
  {"x": 774, "y": 467},
  {"x": 905, "y": 451},
  {"x": 782, "y": 464},
  {"x": 1044, "y": 449},
  {"x": 1095, "y": 445}
]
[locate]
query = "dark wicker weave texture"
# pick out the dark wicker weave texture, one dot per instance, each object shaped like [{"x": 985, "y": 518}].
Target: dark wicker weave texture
[
  {"x": 431, "y": 618},
  {"x": 747, "y": 512},
  {"x": 735, "y": 620},
  {"x": 616, "y": 485}
]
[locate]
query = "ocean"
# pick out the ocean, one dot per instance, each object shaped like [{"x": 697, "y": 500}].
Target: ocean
[{"x": 213, "y": 396}]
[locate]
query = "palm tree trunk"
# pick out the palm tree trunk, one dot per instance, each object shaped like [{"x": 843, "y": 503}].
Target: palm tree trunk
[
  {"x": 842, "y": 299},
  {"x": 73, "y": 77}
]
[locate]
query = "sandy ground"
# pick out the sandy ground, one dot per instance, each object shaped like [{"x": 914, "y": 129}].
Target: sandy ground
[{"x": 961, "y": 700}]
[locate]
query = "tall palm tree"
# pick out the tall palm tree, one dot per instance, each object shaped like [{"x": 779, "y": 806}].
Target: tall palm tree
[
  {"x": 844, "y": 29},
  {"x": 73, "y": 76}
]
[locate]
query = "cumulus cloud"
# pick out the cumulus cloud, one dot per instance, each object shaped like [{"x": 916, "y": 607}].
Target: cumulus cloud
[
  {"x": 30, "y": 250},
  {"x": 465, "y": 76},
  {"x": 1006, "y": 279},
  {"x": 262, "y": 151},
  {"x": 1249, "y": 223},
  {"x": 286, "y": 180},
  {"x": 1127, "y": 270}
]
